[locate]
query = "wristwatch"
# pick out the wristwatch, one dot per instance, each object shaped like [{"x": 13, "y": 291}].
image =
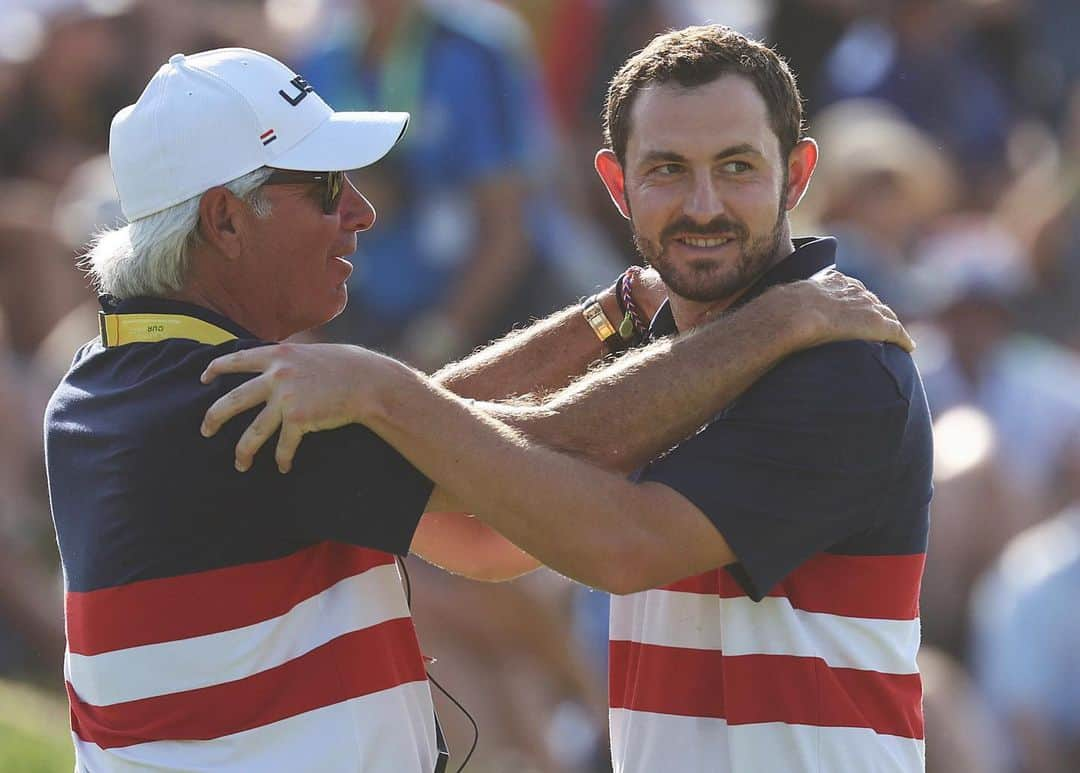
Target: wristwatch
[
  {"x": 615, "y": 339},
  {"x": 597, "y": 319}
]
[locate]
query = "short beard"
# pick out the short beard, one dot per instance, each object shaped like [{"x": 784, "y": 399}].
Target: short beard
[
  {"x": 701, "y": 283},
  {"x": 757, "y": 256}
]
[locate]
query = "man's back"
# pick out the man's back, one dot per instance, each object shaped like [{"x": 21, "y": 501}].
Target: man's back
[{"x": 219, "y": 619}]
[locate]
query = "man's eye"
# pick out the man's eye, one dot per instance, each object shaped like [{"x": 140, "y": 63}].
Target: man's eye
[
  {"x": 667, "y": 169},
  {"x": 736, "y": 167}
]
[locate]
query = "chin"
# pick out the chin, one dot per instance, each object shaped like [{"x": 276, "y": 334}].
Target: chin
[{"x": 705, "y": 286}]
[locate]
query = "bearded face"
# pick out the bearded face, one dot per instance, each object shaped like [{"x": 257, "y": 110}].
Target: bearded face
[
  {"x": 735, "y": 261},
  {"x": 705, "y": 186}
]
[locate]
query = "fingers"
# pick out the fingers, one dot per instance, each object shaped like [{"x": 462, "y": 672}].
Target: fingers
[
  {"x": 245, "y": 396},
  {"x": 903, "y": 339},
  {"x": 288, "y": 442},
  {"x": 246, "y": 361},
  {"x": 257, "y": 433}
]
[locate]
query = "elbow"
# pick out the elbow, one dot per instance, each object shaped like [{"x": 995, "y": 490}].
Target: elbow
[
  {"x": 626, "y": 571},
  {"x": 500, "y": 572},
  {"x": 627, "y": 583}
]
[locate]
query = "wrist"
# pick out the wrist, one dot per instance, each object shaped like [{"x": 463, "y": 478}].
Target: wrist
[
  {"x": 378, "y": 383},
  {"x": 610, "y": 304},
  {"x": 798, "y": 325}
]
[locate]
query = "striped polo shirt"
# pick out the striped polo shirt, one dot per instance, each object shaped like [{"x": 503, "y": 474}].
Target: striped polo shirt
[
  {"x": 800, "y": 656},
  {"x": 219, "y": 620}
]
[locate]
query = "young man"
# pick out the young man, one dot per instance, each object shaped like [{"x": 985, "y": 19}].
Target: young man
[
  {"x": 770, "y": 564},
  {"x": 257, "y": 622}
]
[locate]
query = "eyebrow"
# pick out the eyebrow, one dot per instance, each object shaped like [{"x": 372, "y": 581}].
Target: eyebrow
[{"x": 654, "y": 156}]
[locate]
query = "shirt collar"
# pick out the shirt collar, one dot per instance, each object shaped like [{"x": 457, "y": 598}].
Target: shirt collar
[
  {"x": 148, "y": 305},
  {"x": 812, "y": 254}
]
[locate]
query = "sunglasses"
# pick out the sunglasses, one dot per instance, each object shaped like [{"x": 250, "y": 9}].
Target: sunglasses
[{"x": 333, "y": 184}]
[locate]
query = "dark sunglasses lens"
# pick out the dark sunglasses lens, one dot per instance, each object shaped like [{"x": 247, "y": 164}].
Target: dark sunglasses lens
[{"x": 335, "y": 185}]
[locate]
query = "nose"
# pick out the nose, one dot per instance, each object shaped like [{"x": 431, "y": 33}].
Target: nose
[
  {"x": 357, "y": 213},
  {"x": 704, "y": 202}
]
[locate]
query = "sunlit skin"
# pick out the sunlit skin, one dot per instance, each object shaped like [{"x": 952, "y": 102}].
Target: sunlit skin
[
  {"x": 281, "y": 274},
  {"x": 707, "y": 190},
  {"x": 303, "y": 252}
]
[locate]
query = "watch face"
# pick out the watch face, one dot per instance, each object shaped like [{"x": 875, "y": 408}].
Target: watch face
[{"x": 597, "y": 320}]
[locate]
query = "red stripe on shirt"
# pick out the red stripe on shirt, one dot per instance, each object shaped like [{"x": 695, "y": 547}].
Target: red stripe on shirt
[
  {"x": 750, "y": 689},
  {"x": 171, "y": 608},
  {"x": 359, "y": 663},
  {"x": 882, "y": 587}
]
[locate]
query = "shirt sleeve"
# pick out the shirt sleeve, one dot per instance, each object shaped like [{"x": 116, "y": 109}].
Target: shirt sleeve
[
  {"x": 800, "y": 462},
  {"x": 346, "y": 485},
  {"x": 349, "y": 485}
]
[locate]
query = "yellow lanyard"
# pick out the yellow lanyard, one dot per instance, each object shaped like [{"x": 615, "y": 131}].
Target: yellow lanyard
[{"x": 120, "y": 329}]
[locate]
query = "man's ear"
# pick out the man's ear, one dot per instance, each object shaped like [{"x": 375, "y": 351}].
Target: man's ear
[
  {"x": 611, "y": 172},
  {"x": 801, "y": 163},
  {"x": 219, "y": 226}
]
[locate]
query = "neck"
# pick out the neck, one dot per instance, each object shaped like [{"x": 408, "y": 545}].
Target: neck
[
  {"x": 689, "y": 313},
  {"x": 221, "y": 300}
]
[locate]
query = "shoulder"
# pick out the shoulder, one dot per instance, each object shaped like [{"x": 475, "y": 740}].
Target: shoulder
[
  {"x": 846, "y": 377},
  {"x": 161, "y": 378}
]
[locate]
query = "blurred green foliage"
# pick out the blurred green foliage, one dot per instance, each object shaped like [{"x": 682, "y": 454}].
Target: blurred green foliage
[{"x": 34, "y": 735}]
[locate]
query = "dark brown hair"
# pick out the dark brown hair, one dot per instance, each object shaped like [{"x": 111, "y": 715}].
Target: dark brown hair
[{"x": 694, "y": 56}]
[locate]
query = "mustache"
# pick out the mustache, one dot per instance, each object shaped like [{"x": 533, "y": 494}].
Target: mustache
[{"x": 685, "y": 225}]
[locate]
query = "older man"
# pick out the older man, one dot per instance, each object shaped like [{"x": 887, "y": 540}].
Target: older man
[
  {"x": 228, "y": 621},
  {"x": 769, "y": 566}
]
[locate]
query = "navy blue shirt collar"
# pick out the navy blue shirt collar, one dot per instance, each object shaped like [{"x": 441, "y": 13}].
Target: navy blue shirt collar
[
  {"x": 148, "y": 305},
  {"x": 812, "y": 254}
]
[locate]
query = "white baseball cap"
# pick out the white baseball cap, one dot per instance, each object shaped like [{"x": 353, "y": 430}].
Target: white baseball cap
[{"x": 211, "y": 117}]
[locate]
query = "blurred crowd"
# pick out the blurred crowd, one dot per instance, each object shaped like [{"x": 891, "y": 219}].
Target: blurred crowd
[{"x": 950, "y": 170}]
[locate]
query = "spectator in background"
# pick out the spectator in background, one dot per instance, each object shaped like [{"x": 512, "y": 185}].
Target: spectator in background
[
  {"x": 67, "y": 92},
  {"x": 1006, "y": 406},
  {"x": 879, "y": 182},
  {"x": 1027, "y": 640},
  {"x": 31, "y": 619},
  {"x": 919, "y": 57},
  {"x": 962, "y": 738},
  {"x": 38, "y": 284},
  {"x": 1025, "y": 384},
  {"x": 976, "y": 511},
  {"x": 455, "y": 260}
]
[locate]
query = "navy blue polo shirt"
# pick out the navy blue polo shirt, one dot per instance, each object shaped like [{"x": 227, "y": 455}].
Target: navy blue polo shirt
[
  {"x": 829, "y": 452},
  {"x": 137, "y": 493}
]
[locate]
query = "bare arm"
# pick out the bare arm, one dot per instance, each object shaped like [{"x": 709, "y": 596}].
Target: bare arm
[
  {"x": 542, "y": 358},
  {"x": 624, "y": 415},
  {"x": 547, "y": 355},
  {"x": 581, "y": 520}
]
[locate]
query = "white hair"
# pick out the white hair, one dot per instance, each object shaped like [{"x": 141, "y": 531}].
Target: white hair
[{"x": 151, "y": 255}]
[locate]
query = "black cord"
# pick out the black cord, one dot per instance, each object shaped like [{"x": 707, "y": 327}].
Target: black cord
[
  {"x": 468, "y": 716},
  {"x": 443, "y": 690}
]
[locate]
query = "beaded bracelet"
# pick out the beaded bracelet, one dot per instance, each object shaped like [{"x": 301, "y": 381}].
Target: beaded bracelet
[{"x": 633, "y": 322}]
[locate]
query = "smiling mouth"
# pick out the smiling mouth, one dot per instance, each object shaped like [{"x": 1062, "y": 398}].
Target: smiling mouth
[{"x": 703, "y": 242}]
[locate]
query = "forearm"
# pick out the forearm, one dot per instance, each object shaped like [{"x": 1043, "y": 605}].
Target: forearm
[
  {"x": 645, "y": 403},
  {"x": 541, "y": 358},
  {"x": 568, "y": 513}
]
